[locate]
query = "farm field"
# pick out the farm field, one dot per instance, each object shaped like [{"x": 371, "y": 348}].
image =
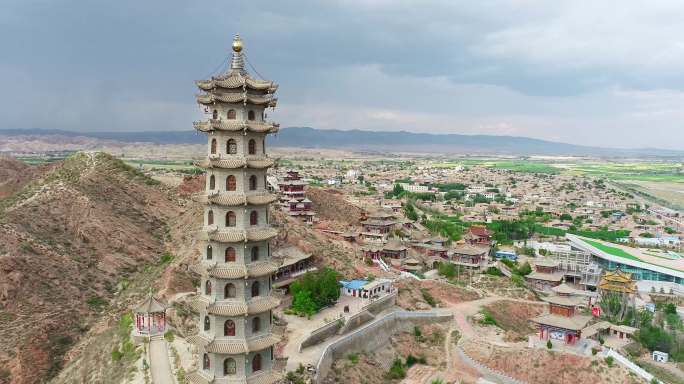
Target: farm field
[
  {"x": 642, "y": 171},
  {"x": 668, "y": 191},
  {"x": 170, "y": 165}
]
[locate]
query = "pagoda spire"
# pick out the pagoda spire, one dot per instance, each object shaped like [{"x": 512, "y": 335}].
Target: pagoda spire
[{"x": 237, "y": 63}]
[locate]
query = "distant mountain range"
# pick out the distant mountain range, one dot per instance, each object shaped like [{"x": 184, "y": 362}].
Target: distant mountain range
[{"x": 377, "y": 141}]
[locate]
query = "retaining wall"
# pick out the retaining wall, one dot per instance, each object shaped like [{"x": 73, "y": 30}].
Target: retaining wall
[
  {"x": 322, "y": 333},
  {"x": 356, "y": 321},
  {"x": 382, "y": 303},
  {"x": 335, "y": 327},
  {"x": 504, "y": 378},
  {"x": 374, "y": 335}
]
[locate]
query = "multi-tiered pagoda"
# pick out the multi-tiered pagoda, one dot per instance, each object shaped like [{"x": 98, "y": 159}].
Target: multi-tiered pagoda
[{"x": 235, "y": 342}]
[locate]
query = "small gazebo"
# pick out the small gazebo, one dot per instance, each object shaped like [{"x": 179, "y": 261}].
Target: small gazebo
[{"x": 150, "y": 317}]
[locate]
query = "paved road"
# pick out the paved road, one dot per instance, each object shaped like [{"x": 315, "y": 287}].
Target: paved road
[{"x": 160, "y": 366}]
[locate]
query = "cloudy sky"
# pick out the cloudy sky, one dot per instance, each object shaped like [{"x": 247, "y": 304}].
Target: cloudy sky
[{"x": 606, "y": 73}]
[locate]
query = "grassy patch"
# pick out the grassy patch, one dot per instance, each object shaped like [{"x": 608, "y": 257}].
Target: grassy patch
[{"x": 427, "y": 296}]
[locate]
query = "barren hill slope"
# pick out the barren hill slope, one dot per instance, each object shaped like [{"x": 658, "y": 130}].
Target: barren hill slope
[
  {"x": 68, "y": 239},
  {"x": 15, "y": 174}
]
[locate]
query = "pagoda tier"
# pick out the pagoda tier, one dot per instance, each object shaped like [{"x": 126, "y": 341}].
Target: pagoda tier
[
  {"x": 233, "y": 98},
  {"x": 239, "y": 235},
  {"x": 235, "y": 340},
  {"x": 236, "y": 162},
  {"x": 227, "y": 271},
  {"x": 235, "y": 199},
  {"x": 230, "y": 308},
  {"x": 235, "y": 80},
  {"x": 234, "y": 347},
  {"x": 235, "y": 126}
]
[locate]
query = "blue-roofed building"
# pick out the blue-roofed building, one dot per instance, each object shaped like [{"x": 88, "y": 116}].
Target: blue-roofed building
[
  {"x": 353, "y": 287},
  {"x": 366, "y": 289},
  {"x": 506, "y": 255}
]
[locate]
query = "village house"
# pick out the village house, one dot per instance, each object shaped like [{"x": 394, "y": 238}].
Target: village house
[
  {"x": 393, "y": 249},
  {"x": 469, "y": 255},
  {"x": 366, "y": 289},
  {"x": 477, "y": 235},
  {"x": 293, "y": 264},
  {"x": 381, "y": 223},
  {"x": 546, "y": 274},
  {"x": 562, "y": 322}
]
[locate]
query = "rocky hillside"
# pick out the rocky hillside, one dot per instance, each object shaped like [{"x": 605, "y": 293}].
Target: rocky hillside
[
  {"x": 71, "y": 239},
  {"x": 15, "y": 174},
  {"x": 332, "y": 208}
]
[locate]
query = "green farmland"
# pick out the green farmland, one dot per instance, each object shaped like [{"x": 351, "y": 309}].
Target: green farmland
[{"x": 636, "y": 171}]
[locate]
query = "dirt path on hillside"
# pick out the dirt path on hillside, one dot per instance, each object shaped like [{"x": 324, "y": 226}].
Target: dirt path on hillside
[{"x": 160, "y": 366}]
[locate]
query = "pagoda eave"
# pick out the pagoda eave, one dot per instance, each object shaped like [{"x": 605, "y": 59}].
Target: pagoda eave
[
  {"x": 236, "y": 98},
  {"x": 237, "y": 82},
  {"x": 198, "y": 377},
  {"x": 235, "y": 163},
  {"x": 236, "y": 236},
  {"x": 251, "y": 307},
  {"x": 234, "y": 126},
  {"x": 234, "y": 347},
  {"x": 233, "y": 199}
]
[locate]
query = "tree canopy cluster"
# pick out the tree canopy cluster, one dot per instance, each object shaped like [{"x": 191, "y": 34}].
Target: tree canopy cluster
[{"x": 315, "y": 290}]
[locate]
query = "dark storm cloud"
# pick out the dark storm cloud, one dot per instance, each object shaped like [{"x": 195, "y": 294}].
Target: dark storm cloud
[{"x": 572, "y": 71}]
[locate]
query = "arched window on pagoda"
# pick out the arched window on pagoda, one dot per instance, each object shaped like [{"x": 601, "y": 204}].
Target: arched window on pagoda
[
  {"x": 230, "y": 219},
  {"x": 253, "y": 183},
  {"x": 251, "y": 147},
  {"x": 256, "y": 363},
  {"x": 231, "y": 183},
  {"x": 256, "y": 324},
  {"x": 207, "y": 323},
  {"x": 231, "y": 147},
  {"x": 229, "y": 291},
  {"x": 229, "y": 328},
  {"x": 255, "y": 289},
  {"x": 212, "y": 182},
  {"x": 231, "y": 114},
  {"x": 213, "y": 146},
  {"x": 230, "y": 255},
  {"x": 209, "y": 252},
  {"x": 207, "y": 287},
  {"x": 205, "y": 362},
  {"x": 229, "y": 366},
  {"x": 263, "y": 146},
  {"x": 251, "y": 115},
  {"x": 210, "y": 217},
  {"x": 214, "y": 115},
  {"x": 253, "y": 218},
  {"x": 255, "y": 253}
]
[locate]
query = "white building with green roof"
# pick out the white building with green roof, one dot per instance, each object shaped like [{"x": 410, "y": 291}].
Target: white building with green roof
[{"x": 645, "y": 264}]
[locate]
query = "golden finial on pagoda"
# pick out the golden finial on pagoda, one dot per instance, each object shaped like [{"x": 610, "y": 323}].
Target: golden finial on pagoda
[{"x": 237, "y": 44}]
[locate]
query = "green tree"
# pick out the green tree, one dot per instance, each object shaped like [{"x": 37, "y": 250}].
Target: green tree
[
  {"x": 398, "y": 190},
  {"x": 303, "y": 303},
  {"x": 321, "y": 287},
  {"x": 524, "y": 269}
]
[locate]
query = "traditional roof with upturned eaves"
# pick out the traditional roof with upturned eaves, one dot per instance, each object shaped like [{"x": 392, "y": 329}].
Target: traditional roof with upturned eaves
[
  {"x": 236, "y": 125},
  {"x": 233, "y": 98},
  {"x": 256, "y": 162},
  {"x": 256, "y": 305},
  {"x": 235, "y": 80},
  {"x": 232, "y": 199},
  {"x": 238, "y": 235}
]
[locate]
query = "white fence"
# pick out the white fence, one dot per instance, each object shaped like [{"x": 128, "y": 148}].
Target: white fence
[
  {"x": 382, "y": 264},
  {"x": 629, "y": 365}
]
